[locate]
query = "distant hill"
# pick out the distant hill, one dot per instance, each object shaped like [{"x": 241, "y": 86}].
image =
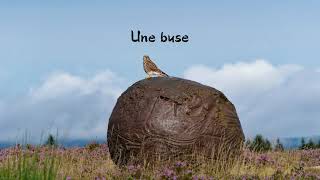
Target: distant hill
[{"x": 5, "y": 144}]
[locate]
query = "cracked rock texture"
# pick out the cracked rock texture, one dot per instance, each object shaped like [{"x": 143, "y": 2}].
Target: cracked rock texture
[{"x": 172, "y": 118}]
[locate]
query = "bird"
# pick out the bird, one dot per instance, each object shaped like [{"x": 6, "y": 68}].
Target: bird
[{"x": 151, "y": 68}]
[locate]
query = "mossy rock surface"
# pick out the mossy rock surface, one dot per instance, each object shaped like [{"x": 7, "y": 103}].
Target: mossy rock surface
[{"x": 171, "y": 118}]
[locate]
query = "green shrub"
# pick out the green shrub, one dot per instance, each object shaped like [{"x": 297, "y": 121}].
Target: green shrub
[
  {"x": 51, "y": 141},
  {"x": 92, "y": 145},
  {"x": 309, "y": 145},
  {"x": 259, "y": 144}
]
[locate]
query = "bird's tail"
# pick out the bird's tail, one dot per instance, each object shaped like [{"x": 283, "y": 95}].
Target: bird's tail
[{"x": 163, "y": 74}]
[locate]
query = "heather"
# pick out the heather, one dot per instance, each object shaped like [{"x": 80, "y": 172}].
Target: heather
[{"x": 93, "y": 162}]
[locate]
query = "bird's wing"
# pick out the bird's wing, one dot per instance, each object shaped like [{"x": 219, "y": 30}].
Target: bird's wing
[{"x": 152, "y": 66}]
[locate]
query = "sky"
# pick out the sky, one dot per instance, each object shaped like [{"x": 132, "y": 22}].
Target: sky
[{"x": 63, "y": 64}]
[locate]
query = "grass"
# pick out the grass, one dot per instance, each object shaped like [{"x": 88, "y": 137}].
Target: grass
[
  {"x": 28, "y": 165},
  {"x": 93, "y": 162}
]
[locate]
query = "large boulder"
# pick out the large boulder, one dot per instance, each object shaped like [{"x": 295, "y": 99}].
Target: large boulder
[{"x": 169, "y": 117}]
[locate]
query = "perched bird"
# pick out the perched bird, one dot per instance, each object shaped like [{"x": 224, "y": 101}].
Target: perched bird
[{"x": 151, "y": 68}]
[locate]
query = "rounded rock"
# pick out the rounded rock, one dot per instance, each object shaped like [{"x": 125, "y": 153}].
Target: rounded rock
[{"x": 169, "y": 118}]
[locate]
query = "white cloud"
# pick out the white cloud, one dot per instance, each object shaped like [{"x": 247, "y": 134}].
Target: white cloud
[
  {"x": 236, "y": 79},
  {"x": 60, "y": 84},
  {"x": 78, "y": 107},
  {"x": 273, "y": 100}
]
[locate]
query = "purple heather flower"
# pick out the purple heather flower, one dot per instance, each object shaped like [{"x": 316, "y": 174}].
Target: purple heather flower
[
  {"x": 180, "y": 164},
  {"x": 188, "y": 171},
  {"x": 168, "y": 173},
  {"x": 131, "y": 168},
  {"x": 68, "y": 178},
  {"x": 198, "y": 178}
]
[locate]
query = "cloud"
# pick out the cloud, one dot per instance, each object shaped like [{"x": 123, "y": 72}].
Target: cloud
[
  {"x": 78, "y": 107},
  {"x": 61, "y": 84},
  {"x": 275, "y": 100}
]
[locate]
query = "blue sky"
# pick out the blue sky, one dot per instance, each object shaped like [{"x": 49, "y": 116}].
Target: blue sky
[{"x": 84, "y": 39}]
